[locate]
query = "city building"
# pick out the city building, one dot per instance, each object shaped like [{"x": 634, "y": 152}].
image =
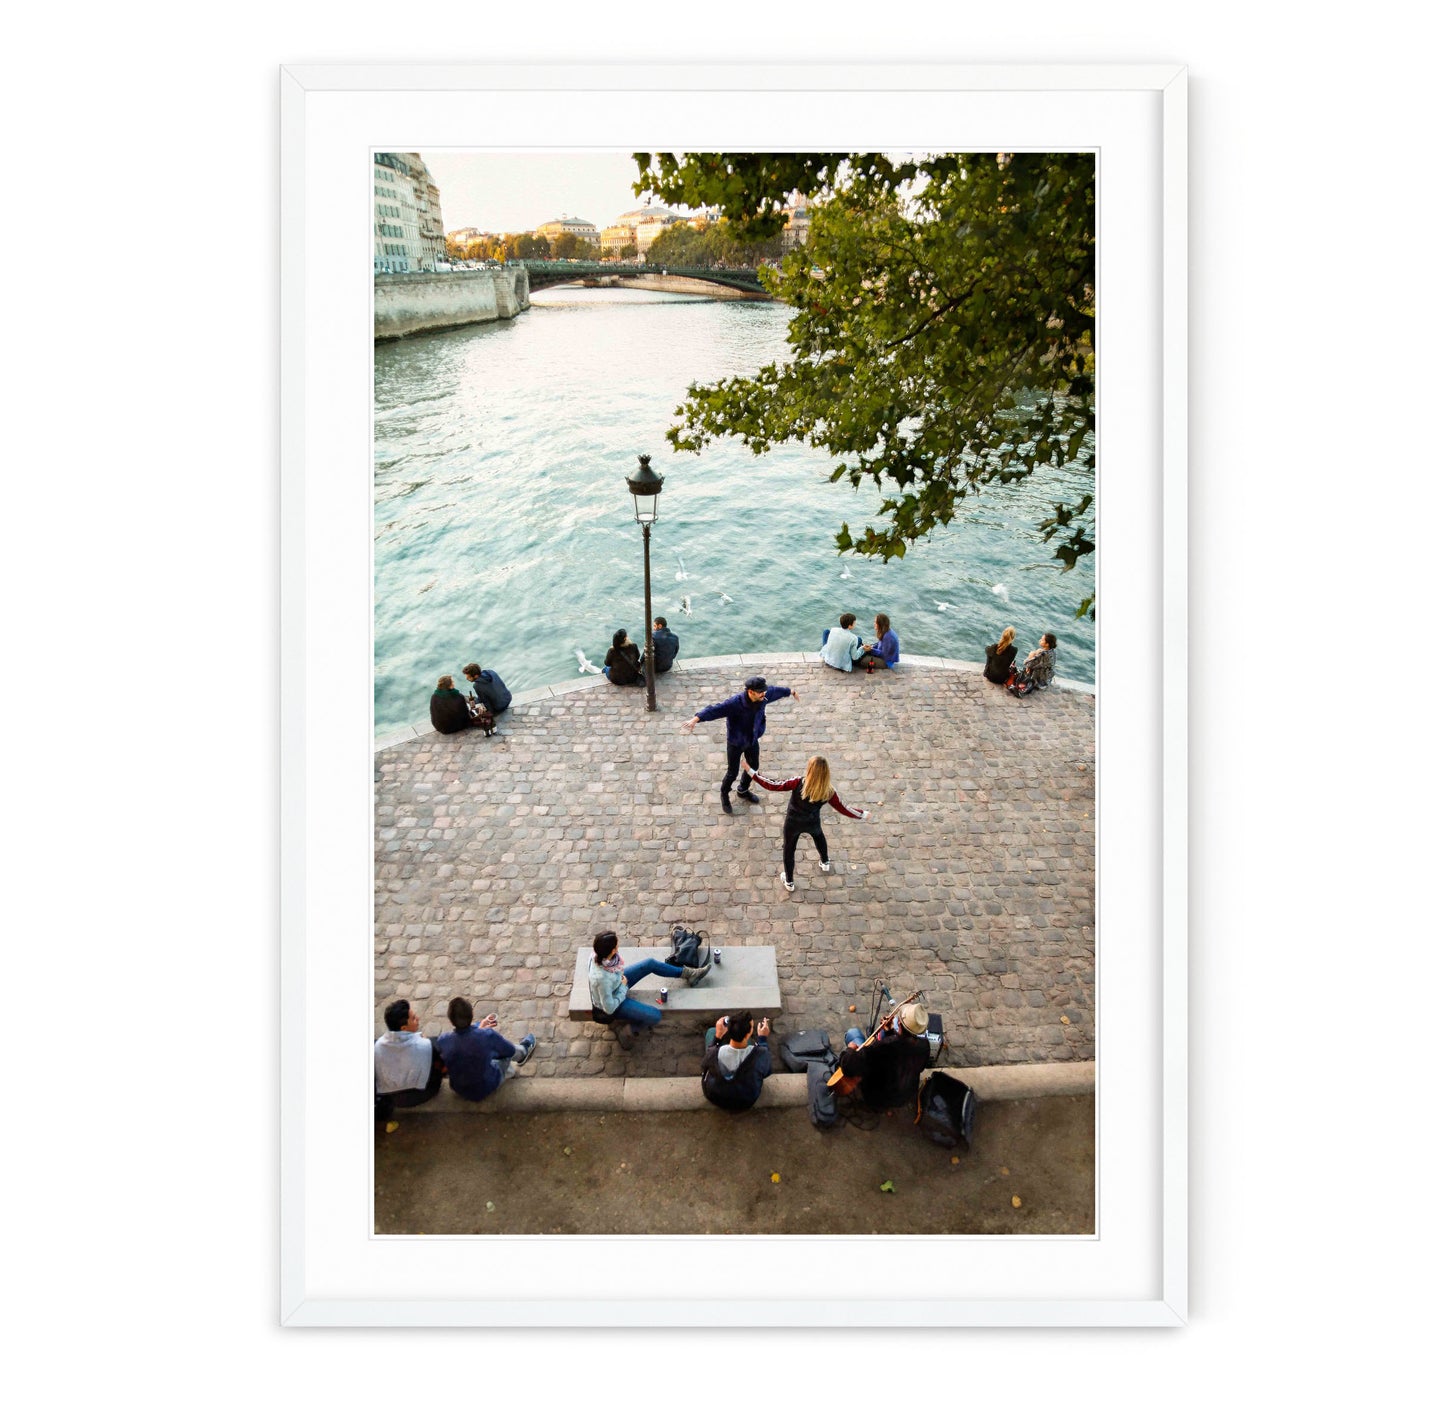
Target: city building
[
  {"x": 653, "y": 222},
  {"x": 407, "y": 234},
  {"x": 619, "y": 238},
  {"x": 570, "y": 223},
  {"x": 800, "y": 219}
]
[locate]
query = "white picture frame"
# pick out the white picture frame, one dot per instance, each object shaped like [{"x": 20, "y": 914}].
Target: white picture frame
[{"x": 1134, "y": 1270}]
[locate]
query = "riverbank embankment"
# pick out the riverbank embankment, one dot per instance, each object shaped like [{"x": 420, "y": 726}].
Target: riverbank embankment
[
  {"x": 971, "y": 883},
  {"x": 406, "y": 304}
]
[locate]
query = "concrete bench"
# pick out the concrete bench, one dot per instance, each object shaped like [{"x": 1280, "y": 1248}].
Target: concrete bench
[{"x": 747, "y": 978}]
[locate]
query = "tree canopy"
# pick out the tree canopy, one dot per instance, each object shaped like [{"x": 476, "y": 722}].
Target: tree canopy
[
  {"x": 685, "y": 246},
  {"x": 943, "y": 340}
]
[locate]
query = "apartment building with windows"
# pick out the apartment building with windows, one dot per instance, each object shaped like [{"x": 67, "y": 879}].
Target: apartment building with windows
[{"x": 407, "y": 223}]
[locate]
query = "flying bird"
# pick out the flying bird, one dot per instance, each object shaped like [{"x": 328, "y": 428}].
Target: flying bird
[
  {"x": 584, "y": 665},
  {"x": 1000, "y": 591},
  {"x": 726, "y": 597},
  {"x": 846, "y": 574},
  {"x": 681, "y": 569},
  {"x": 687, "y": 604},
  {"x": 943, "y": 607}
]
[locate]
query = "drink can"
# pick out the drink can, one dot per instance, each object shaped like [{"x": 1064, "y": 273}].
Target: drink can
[
  {"x": 662, "y": 997},
  {"x": 717, "y": 955}
]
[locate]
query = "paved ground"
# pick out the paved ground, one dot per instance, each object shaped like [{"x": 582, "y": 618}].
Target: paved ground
[
  {"x": 599, "y": 1173},
  {"x": 973, "y": 883}
]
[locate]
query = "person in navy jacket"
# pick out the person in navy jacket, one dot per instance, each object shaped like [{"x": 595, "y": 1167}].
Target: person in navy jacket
[
  {"x": 747, "y": 720},
  {"x": 478, "y": 1057}
]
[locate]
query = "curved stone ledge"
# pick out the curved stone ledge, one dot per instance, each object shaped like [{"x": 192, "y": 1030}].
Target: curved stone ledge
[
  {"x": 404, "y": 733},
  {"x": 634, "y": 1094}
]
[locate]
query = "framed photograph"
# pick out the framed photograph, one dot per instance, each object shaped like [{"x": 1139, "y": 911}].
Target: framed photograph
[{"x": 576, "y": 358}]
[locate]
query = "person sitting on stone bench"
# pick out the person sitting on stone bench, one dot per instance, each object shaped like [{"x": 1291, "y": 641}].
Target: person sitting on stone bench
[
  {"x": 608, "y": 982},
  {"x": 888, "y": 1067},
  {"x": 733, "y": 1069},
  {"x": 408, "y": 1068},
  {"x": 478, "y": 1057}
]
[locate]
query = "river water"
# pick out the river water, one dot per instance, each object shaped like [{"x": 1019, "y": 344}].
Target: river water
[{"x": 504, "y": 531}]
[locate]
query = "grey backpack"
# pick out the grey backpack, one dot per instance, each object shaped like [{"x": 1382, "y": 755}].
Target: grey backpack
[{"x": 822, "y": 1103}]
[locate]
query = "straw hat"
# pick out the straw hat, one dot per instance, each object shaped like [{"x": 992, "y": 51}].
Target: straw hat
[{"x": 913, "y": 1018}]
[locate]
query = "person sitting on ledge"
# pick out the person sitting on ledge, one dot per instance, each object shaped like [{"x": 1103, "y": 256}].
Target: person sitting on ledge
[
  {"x": 408, "y": 1068},
  {"x": 890, "y": 1064},
  {"x": 998, "y": 658},
  {"x": 885, "y": 650},
  {"x": 449, "y": 709},
  {"x": 841, "y": 646},
  {"x": 623, "y": 663},
  {"x": 733, "y": 1070},
  {"x": 664, "y": 645},
  {"x": 478, "y": 1057},
  {"x": 488, "y": 688},
  {"x": 608, "y": 981},
  {"x": 1038, "y": 668}
]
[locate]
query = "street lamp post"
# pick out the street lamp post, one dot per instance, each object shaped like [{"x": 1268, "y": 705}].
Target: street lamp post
[{"x": 645, "y": 486}]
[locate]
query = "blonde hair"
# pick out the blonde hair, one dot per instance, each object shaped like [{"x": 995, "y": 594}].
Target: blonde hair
[
  {"x": 444, "y": 683},
  {"x": 1004, "y": 638},
  {"x": 817, "y": 781}
]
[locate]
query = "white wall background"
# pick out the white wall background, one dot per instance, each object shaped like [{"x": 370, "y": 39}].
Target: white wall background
[{"x": 140, "y": 563}]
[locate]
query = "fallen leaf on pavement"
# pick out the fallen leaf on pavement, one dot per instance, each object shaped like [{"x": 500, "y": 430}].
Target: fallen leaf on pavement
[
  {"x": 1018, "y": 1201},
  {"x": 1003, "y": 1172},
  {"x": 393, "y": 1126},
  {"x": 567, "y": 1152},
  {"x": 491, "y": 1206},
  {"x": 887, "y": 1186},
  {"x": 775, "y": 1178},
  {"x": 953, "y": 1160}
]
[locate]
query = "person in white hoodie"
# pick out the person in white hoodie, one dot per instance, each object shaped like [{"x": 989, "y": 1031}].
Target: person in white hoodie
[
  {"x": 408, "y": 1068},
  {"x": 841, "y": 645}
]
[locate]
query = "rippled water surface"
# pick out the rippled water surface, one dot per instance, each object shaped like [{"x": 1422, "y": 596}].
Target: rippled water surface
[{"x": 505, "y": 535}]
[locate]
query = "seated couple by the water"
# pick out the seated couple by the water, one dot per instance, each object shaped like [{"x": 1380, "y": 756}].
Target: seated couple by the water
[
  {"x": 451, "y": 711},
  {"x": 1037, "y": 670},
  {"x": 844, "y": 650}
]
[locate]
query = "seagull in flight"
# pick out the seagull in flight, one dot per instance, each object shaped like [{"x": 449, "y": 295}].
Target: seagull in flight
[
  {"x": 687, "y": 604},
  {"x": 1000, "y": 591},
  {"x": 584, "y": 665}
]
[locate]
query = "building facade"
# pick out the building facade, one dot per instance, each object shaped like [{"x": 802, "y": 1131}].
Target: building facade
[
  {"x": 407, "y": 230},
  {"x": 800, "y": 219},
  {"x": 570, "y": 223}
]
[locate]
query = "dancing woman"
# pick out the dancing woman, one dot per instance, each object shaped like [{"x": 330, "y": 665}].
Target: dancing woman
[{"x": 809, "y": 790}]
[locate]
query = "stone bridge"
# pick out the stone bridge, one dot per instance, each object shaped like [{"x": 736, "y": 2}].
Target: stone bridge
[{"x": 728, "y": 283}]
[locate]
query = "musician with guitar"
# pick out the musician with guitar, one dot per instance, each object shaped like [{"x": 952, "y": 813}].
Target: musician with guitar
[{"x": 884, "y": 1069}]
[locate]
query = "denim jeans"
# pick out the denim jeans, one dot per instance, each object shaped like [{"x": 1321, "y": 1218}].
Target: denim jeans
[{"x": 643, "y": 1013}]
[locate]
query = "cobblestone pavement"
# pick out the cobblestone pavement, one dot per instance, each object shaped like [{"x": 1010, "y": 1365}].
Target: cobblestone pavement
[{"x": 972, "y": 882}]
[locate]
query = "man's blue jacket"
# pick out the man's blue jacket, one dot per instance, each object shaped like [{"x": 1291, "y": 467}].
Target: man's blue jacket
[{"x": 746, "y": 720}]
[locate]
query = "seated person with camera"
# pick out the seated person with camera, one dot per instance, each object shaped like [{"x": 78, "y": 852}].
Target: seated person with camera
[{"x": 733, "y": 1070}]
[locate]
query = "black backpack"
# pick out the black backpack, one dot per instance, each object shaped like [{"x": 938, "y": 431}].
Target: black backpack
[
  {"x": 688, "y": 948},
  {"x": 822, "y": 1102},
  {"x": 799, "y": 1048},
  {"x": 945, "y": 1110}
]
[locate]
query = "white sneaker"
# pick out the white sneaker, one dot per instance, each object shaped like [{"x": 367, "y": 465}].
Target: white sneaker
[
  {"x": 787, "y": 884},
  {"x": 825, "y": 866}
]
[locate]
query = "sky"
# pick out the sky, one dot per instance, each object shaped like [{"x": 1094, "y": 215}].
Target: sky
[{"x": 516, "y": 192}]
